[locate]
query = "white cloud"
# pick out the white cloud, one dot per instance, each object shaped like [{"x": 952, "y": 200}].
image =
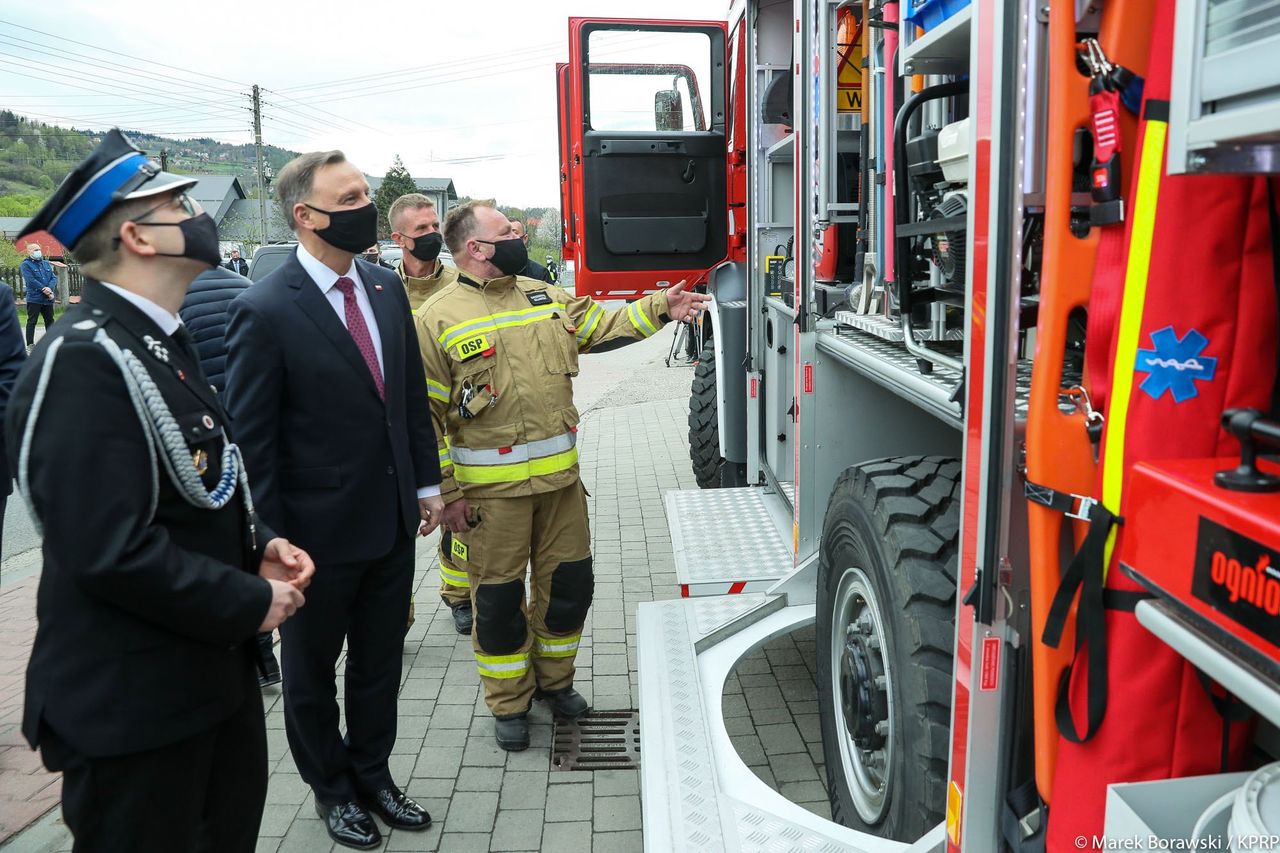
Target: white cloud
[{"x": 489, "y": 91}]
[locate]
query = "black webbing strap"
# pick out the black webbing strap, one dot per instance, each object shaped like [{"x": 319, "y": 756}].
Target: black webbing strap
[
  {"x": 1230, "y": 709},
  {"x": 1070, "y": 505},
  {"x": 1084, "y": 574},
  {"x": 1022, "y": 820}
]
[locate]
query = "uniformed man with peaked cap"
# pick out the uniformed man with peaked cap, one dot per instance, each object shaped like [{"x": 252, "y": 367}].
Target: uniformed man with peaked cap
[{"x": 142, "y": 685}]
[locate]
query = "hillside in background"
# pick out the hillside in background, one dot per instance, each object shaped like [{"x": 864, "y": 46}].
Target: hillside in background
[{"x": 35, "y": 157}]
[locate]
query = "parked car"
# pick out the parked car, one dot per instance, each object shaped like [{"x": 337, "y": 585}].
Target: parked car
[{"x": 268, "y": 258}]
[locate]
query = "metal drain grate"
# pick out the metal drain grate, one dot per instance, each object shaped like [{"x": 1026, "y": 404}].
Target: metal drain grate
[{"x": 601, "y": 740}]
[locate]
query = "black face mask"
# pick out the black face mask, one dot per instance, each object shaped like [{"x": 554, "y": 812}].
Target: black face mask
[
  {"x": 427, "y": 247},
  {"x": 200, "y": 239},
  {"x": 350, "y": 230},
  {"x": 509, "y": 256}
]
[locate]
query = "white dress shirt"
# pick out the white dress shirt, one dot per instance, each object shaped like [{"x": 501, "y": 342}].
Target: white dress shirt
[
  {"x": 325, "y": 279},
  {"x": 167, "y": 322}
]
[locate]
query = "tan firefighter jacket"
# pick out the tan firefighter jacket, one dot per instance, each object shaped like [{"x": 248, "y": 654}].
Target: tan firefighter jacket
[
  {"x": 422, "y": 289},
  {"x": 505, "y": 351}
]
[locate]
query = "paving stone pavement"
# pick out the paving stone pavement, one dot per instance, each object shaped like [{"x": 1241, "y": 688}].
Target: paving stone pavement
[{"x": 633, "y": 446}]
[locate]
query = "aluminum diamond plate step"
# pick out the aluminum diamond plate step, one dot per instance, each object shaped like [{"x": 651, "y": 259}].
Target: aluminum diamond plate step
[
  {"x": 696, "y": 792},
  {"x": 728, "y": 540}
]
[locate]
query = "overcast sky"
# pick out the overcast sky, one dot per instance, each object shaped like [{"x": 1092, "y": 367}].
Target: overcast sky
[{"x": 475, "y": 99}]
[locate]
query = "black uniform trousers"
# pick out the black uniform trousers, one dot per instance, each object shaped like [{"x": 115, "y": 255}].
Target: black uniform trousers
[
  {"x": 203, "y": 794},
  {"x": 366, "y": 603}
]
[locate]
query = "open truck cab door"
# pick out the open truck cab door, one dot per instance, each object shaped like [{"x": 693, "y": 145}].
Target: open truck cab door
[{"x": 643, "y": 174}]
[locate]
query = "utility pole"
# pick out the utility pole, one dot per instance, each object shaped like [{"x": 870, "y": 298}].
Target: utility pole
[
  {"x": 164, "y": 159},
  {"x": 257, "y": 144}
]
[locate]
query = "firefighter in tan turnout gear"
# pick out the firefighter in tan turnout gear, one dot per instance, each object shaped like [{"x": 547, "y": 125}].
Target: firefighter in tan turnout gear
[
  {"x": 415, "y": 228},
  {"x": 500, "y": 352}
]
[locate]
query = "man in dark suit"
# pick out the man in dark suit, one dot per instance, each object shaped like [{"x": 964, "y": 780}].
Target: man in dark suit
[
  {"x": 204, "y": 313},
  {"x": 237, "y": 264},
  {"x": 12, "y": 356},
  {"x": 330, "y": 403},
  {"x": 156, "y": 577}
]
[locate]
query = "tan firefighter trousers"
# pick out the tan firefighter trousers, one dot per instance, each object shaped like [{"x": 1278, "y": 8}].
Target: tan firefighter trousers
[{"x": 522, "y": 645}]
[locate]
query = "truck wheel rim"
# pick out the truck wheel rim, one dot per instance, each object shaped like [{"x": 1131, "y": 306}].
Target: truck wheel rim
[{"x": 862, "y": 686}]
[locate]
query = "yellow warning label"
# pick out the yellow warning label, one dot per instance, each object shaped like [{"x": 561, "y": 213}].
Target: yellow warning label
[
  {"x": 953, "y": 813},
  {"x": 459, "y": 550},
  {"x": 849, "y": 39}
]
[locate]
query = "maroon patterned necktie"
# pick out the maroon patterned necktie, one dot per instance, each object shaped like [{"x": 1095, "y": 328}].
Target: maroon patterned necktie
[{"x": 360, "y": 331}]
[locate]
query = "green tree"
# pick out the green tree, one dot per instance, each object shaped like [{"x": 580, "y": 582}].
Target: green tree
[{"x": 395, "y": 183}]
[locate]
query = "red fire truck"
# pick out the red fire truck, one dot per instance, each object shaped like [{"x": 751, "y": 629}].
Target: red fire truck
[{"x": 933, "y": 415}]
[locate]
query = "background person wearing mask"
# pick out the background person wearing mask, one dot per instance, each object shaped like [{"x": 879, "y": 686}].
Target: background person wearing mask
[
  {"x": 41, "y": 281},
  {"x": 373, "y": 255},
  {"x": 204, "y": 313},
  {"x": 416, "y": 230},
  {"x": 141, "y": 684},
  {"x": 532, "y": 268},
  {"x": 501, "y": 351},
  {"x": 330, "y": 404}
]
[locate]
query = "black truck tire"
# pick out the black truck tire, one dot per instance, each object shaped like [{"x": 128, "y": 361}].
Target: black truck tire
[
  {"x": 886, "y": 610},
  {"x": 704, "y": 430}
]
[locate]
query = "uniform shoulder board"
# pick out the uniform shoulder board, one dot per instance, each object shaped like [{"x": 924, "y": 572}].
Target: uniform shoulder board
[
  {"x": 81, "y": 330},
  {"x": 538, "y": 297}
]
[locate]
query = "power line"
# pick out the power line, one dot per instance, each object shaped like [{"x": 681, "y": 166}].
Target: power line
[
  {"x": 324, "y": 111},
  {"x": 118, "y": 53},
  {"x": 113, "y": 67}
]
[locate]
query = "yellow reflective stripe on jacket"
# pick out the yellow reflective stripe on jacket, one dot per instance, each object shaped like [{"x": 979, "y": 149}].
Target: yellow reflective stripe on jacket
[
  {"x": 516, "y": 452},
  {"x": 445, "y": 458},
  {"x": 502, "y": 666},
  {"x": 453, "y": 577},
  {"x": 437, "y": 391},
  {"x": 638, "y": 319},
  {"x": 493, "y": 322},
  {"x": 557, "y": 647},
  {"x": 517, "y": 472},
  {"x": 589, "y": 324}
]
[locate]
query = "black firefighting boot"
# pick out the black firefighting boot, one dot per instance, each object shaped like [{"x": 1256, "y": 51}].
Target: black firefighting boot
[
  {"x": 566, "y": 704},
  {"x": 512, "y": 732},
  {"x": 462, "y": 618}
]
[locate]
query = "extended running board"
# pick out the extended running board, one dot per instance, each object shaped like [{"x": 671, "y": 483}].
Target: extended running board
[
  {"x": 728, "y": 541},
  {"x": 697, "y": 792}
]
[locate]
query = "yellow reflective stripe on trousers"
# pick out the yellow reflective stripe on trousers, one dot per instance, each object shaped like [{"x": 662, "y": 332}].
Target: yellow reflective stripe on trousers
[
  {"x": 454, "y": 577},
  {"x": 589, "y": 323},
  {"x": 557, "y": 647},
  {"x": 493, "y": 322},
  {"x": 1136, "y": 273},
  {"x": 517, "y": 472},
  {"x": 638, "y": 319},
  {"x": 437, "y": 391},
  {"x": 502, "y": 666}
]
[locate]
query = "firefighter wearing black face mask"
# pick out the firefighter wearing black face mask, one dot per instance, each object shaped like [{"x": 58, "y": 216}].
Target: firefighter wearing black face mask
[
  {"x": 415, "y": 228},
  {"x": 500, "y": 351}
]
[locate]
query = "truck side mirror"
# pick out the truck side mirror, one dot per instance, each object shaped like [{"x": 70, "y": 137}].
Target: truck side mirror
[{"x": 668, "y": 110}]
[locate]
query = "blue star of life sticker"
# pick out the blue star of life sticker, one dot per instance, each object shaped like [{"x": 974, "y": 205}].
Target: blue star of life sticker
[{"x": 1175, "y": 364}]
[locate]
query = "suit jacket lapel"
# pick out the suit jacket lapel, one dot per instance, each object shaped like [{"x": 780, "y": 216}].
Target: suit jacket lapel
[
  {"x": 314, "y": 304},
  {"x": 384, "y": 313}
]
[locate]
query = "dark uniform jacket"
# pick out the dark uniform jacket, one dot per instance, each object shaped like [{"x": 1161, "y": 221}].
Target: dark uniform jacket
[
  {"x": 239, "y": 266},
  {"x": 204, "y": 313},
  {"x": 335, "y": 467},
  {"x": 146, "y": 624}
]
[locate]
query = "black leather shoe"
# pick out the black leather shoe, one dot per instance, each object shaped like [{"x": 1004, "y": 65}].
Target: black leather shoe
[
  {"x": 566, "y": 704},
  {"x": 512, "y": 733},
  {"x": 462, "y": 618},
  {"x": 396, "y": 809},
  {"x": 350, "y": 825}
]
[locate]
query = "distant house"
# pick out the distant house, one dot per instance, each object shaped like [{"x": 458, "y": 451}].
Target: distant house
[
  {"x": 239, "y": 218},
  {"x": 439, "y": 190},
  {"x": 11, "y": 226}
]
